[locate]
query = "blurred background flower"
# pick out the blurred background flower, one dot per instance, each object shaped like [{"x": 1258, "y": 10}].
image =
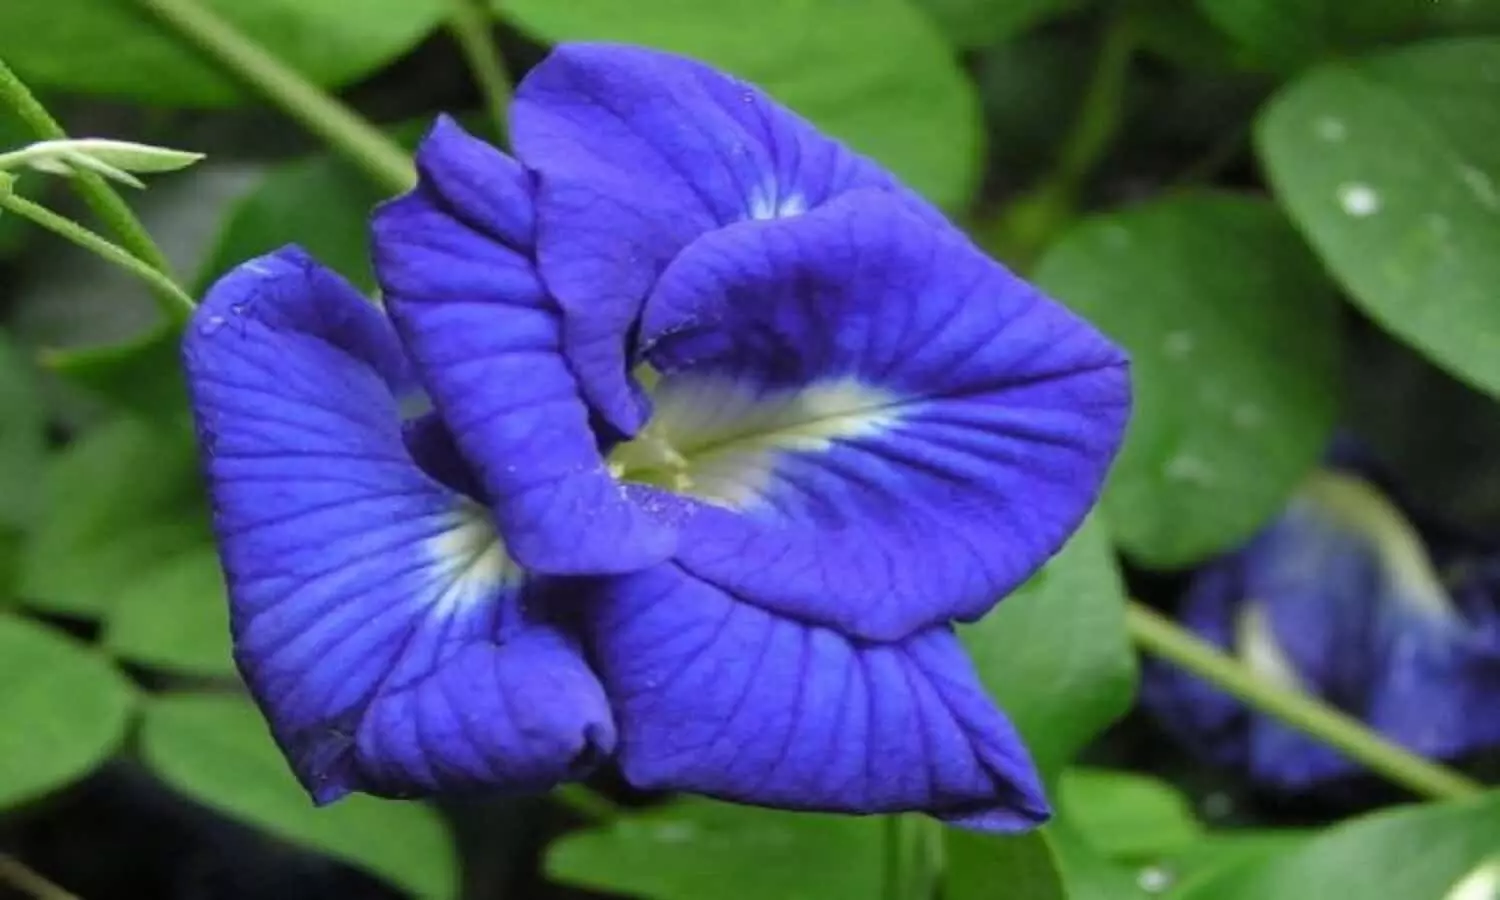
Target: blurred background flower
[{"x": 1344, "y": 596}]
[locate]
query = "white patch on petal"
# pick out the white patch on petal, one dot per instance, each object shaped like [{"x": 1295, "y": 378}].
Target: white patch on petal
[
  {"x": 720, "y": 439},
  {"x": 471, "y": 560},
  {"x": 767, "y": 203},
  {"x": 1352, "y": 504},
  {"x": 1256, "y": 645}
]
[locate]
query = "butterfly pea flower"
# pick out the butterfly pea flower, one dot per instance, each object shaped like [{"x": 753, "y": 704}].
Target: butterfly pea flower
[
  {"x": 1342, "y": 597},
  {"x": 727, "y": 430}
]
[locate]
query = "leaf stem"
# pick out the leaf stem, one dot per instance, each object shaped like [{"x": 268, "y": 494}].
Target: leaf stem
[
  {"x": 469, "y": 20},
  {"x": 88, "y": 240},
  {"x": 380, "y": 158},
  {"x": 29, "y": 881},
  {"x": 1031, "y": 221},
  {"x": 1160, "y": 636},
  {"x": 95, "y": 191}
]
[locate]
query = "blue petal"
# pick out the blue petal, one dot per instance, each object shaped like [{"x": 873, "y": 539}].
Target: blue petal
[
  {"x": 454, "y": 261},
  {"x": 890, "y": 430},
  {"x": 1208, "y": 721},
  {"x": 639, "y": 152},
  {"x": 1338, "y": 598},
  {"x": 377, "y": 620},
  {"x": 717, "y": 696}
]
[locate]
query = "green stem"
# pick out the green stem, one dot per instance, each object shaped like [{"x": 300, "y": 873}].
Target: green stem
[
  {"x": 346, "y": 132},
  {"x": 1161, "y": 637},
  {"x": 95, "y": 191},
  {"x": 469, "y": 21},
  {"x": 1031, "y": 221},
  {"x": 588, "y": 803},
  {"x": 88, "y": 240},
  {"x": 913, "y": 857}
]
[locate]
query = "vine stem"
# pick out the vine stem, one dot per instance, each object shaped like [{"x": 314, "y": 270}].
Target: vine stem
[
  {"x": 95, "y": 191},
  {"x": 1161, "y": 637},
  {"x": 29, "y": 881},
  {"x": 88, "y": 240},
  {"x": 352, "y": 136},
  {"x": 1031, "y": 221},
  {"x": 469, "y": 20}
]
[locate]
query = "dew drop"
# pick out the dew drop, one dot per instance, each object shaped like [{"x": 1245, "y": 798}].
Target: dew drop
[
  {"x": 1217, "y": 806},
  {"x": 1115, "y": 237},
  {"x": 210, "y": 325},
  {"x": 1247, "y": 416},
  {"x": 1330, "y": 129},
  {"x": 1483, "y": 883},
  {"x": 1482, "y": 186},
  {"x": 1187, "y": 469},
  {"x": 1154, "y": 880},
  {"x": 1179, "y": 344},
  {"x": 674, "y": 832},
  {"x": 1358, "y": 199}
]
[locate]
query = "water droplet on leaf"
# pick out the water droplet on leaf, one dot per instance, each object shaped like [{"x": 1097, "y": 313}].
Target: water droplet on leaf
[
  {"x": 1330, "y": 129},
  {"x": 1178, "y": 344},
  {"x": 1358, "y": 199}
]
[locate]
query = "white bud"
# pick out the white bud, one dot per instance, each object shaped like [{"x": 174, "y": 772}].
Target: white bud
[{"x": 112, "y": 159}]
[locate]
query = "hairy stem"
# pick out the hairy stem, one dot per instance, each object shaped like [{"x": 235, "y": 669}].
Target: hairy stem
[
  {"x": 95, "y": 191},
  {"x": 469, "y": 21},
  {"x": 379, "y": 157},
  {"x": 88, "y": 240},
  {"x": 1161, "y": 637}
]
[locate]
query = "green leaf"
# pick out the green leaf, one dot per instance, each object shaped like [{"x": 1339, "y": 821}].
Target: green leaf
[
  {"x": 1086, "y": 873},
  {"x": 142, "y": 376},
  {"x": 1415, "y": 852},
  {"x": 1126, "y": 815},
  {"x": 1232, "y": 329},
  {"x": 1285, "y": 34},
  {"x": 65, "y": 710},
  {"x": 1390, "y": 166},
  {"x": 875, "y": 73},
  {"x": 174, "y": 615},
  {"x": 979, "y": 23},
  {"x": 976, "y": 864},
  {"x": 121, "y": 499},
  {"x": 701, "y": 848},
  {"x": 1214, "y": 853},
  {"x": 22, "y": 438},
  {"x": 114, "y": 48},
  {"x": 320, "y": 203},
  {"x": 1055, "y": 654},
  {"x": 217, "y": 750}
]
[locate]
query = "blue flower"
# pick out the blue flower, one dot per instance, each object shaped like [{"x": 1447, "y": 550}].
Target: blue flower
[
  {"x": 1341, "y": 597},
  {"x": 727, "y": 430}
]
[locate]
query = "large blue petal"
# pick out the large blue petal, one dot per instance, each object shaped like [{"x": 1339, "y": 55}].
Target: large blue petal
[
  {"x": 638, "y": 153},
  {"x": 718, "y": 696},
  {"x": 377, "y": 620},
  {"x": 890, "y": 430},
  {"x": 454, "y": 259}
]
